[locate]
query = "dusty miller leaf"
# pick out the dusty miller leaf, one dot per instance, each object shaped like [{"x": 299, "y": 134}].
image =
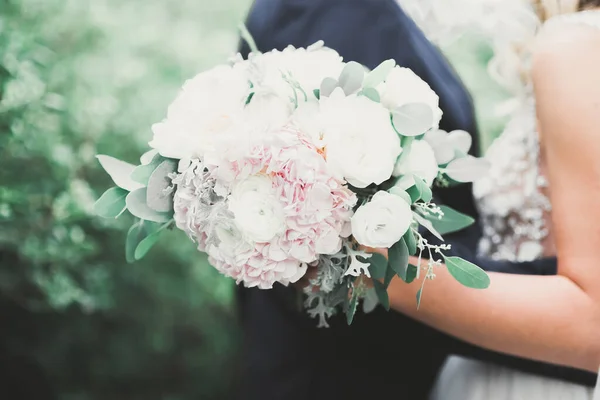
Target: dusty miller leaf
[{"x": 157, "y": 196}]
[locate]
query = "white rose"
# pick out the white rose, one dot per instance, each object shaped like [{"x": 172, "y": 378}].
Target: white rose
[
  {"x": 206, "y": 106},
  {"x": 258, "y": 213},
  {"x": 403, "y": 86},
  {"x": 307, "y": 67},
  {"x": 361, "y": 145},
  {"x": 381, "y": 222},
  {"x": 420, "y": 161}
]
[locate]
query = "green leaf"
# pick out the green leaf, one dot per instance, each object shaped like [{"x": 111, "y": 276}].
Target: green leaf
[
  {"x": 317, "y": 93},
  {"x": 467, "y": 169},
  {"x": 424, "y": 191},
  {"x": 411, "y": 273},
  {"x": 371, "y": 94},
  {"x": 157, "y": 197},
  {"x": 370, "y": 301},
  {"x": 351, "y": 78},
  {"x": 419, "y": 295},
  {"x": 112, "y": 203},
  {"x": 328, "y": 85},
  {"x": 382, "y": 294},
  {"x": 451, "y": 221},
  {"x": 389, "y": 275},
  {"x": 398, "y": 256},
  {"x": 136, "y": 204},
  {"x": 249, "y": 99},
  {"x": 466, "y": 273},
  {"x": 119, "y": 171},
  {"x": 378, "y": 265},
  {"x": 412, "y": 119},
  {"x": 146, "y": 244},
  {"x": 136, "y": 234},
  {"x": 414, "y": 193},
  {"x": 351, "y": 309},
  {"x": 141, "y": 173},
  {"x": 427, "y": 225},
  {"x": 379, "y": 74},
  {"x": 411, "y": 242}
]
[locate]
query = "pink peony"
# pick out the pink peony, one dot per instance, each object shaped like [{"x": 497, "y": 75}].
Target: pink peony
[{"x": 281, "y": 210}]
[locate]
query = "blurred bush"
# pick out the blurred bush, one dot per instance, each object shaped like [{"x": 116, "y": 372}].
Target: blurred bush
[{"x": 80, "y": 77}]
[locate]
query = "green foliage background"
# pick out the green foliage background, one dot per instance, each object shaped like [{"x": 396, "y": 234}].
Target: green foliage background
[{"x": 80, "y": 77}]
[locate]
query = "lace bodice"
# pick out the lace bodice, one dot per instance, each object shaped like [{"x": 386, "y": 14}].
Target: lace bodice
[{"x": 512, "y": 198}]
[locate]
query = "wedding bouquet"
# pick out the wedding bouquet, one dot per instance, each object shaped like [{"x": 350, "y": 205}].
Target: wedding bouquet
[{"x": 292, "y": 161}]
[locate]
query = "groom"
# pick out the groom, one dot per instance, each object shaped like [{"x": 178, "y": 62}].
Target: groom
[{"x": 383, "y": 354}]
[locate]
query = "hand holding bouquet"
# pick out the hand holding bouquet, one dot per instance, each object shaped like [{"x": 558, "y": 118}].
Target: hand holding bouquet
[{"x": 294, "y": 160}]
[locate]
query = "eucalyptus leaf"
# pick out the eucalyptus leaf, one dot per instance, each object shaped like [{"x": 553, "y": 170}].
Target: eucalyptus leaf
[
  {"x": 158, "y": 197},
  {"x": 351, "y": 309},
  {"x": 352, "y": 77},
  {"x": 370, "y": 301},
  {"x": 427, "y": 225},
  {"x": 378, "y": 265},
  {"x": 148, "y": 156},
  {"x": 424, "y": 190},
  {"x": 371, "y": 94},
  {"x": 379, "y": 74},
  {"x": 411, "y": 242},
  {"x": 397, "y": 191},
  {"x": 112, "y": 203},
  {"x": 466, "y": 273},
  {"x": 451, "y": 221},
  {"x": 411, "y": 273},
  {"x": 460, "y": 140},
  {"x": 141, "y": 173},
  {"x": 398, "y": 258},
  {"x": 389, "y": 275},
  {"x": 328, "y": 85},
  {"x": 414, "y": 193},
  {"x": 146, "y": 244},
  {"x": 136, "y": 234},
  {"x": 382, "y": 294},
  {"x": 317, "y": 93},
  {"x": 467, "y": 169},
  {"x": 412, "y": 119},
  {"x": 119, "y": 171},
  {"x": 136, "y": 204}
]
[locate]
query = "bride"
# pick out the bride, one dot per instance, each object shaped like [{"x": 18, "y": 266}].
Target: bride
[{"x": 541, "y": 199}]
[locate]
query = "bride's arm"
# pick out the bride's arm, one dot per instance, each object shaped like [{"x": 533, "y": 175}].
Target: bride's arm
[{"x": 550, "y": 318}]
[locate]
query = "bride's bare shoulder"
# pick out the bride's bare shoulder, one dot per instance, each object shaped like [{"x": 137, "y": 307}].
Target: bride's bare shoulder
[{"x": 566, "y": 45}]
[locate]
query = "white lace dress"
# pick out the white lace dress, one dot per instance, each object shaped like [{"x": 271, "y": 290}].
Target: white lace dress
[{"x": 514, "y": 208}]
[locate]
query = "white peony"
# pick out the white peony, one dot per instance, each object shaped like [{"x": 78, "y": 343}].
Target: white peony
[
  {"x": 257, "y": 210},
  {"x": 207, "y": 105},
  {"x": 360, "y": 144},
  {"x": 381, "y": 222},
  {"x": 403, "y": 86},
  {"x": 419, "y": 161}
]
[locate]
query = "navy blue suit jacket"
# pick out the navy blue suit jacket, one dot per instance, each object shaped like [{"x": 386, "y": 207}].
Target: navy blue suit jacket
[{"x": 285, "y": 356}]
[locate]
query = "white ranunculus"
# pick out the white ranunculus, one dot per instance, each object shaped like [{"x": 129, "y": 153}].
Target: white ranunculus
[
  {"x": 420, "y": 161},
  {"x": 258, "y": 213},
  {"x": 381, "y": 222},
  {"x": 206, "y": 106},
  {"x": 361, "y": 145},
  {"x": 403, "y": 86}
]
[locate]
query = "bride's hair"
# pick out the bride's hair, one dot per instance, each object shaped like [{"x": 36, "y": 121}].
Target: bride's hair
[
  {"x": 520, "y": 22},
  {"x": 550, "y": 8}
]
